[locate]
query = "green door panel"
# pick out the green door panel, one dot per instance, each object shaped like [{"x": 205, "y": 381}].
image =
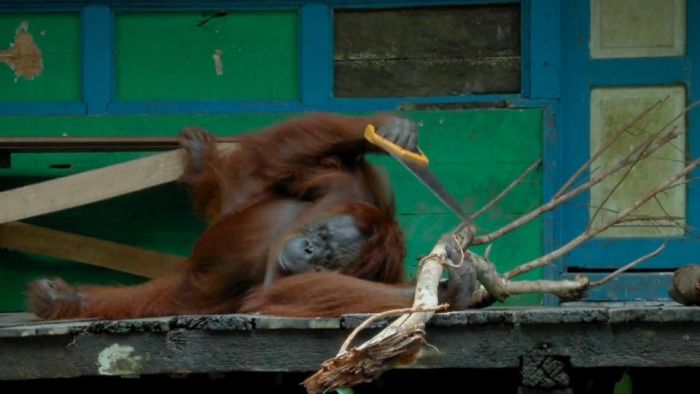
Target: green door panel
[
  {"x": 475, "y": 152},
  {"x": 170, "y": 56}
]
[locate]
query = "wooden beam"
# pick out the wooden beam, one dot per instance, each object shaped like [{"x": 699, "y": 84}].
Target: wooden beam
[
  {"x": 91, "y": 186},
  {"x": 34, "y": 239},
  {"x": 93, "y": 144}
]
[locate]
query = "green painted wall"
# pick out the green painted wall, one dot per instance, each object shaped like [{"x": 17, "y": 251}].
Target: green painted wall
[
  {"x": 58, "y": 38},
  {"x": 169, "y": 56},
  {"x": 476, "y": 153}
]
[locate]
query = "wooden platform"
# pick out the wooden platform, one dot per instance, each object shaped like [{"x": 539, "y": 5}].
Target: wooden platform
[{"x": 576, "y": 337}]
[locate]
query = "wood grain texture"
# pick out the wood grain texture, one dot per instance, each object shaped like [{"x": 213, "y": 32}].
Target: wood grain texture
[
  {"x": 588, "y": 337},
  {"x": 93, "y": 251},
  {"x": 91, "y": 186},
  {"x": 438, "y": 51}
]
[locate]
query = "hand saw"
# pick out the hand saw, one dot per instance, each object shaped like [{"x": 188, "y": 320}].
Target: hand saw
[{"x": 417, "y": 164}]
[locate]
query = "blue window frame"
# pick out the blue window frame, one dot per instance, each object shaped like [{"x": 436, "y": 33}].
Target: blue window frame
[
  {"x": 539, "y": 74},
  {"x": 582, "y": 75}
]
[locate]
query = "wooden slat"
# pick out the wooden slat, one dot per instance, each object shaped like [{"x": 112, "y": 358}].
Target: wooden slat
[
  {"x": 427, "y": 51},
  {"x": 90, "y": 144},
  {"x": 91, "y": 186},
  {"x": 107, "y": 254}
]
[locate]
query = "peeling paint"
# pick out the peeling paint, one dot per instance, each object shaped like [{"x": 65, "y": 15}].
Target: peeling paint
[
  {"x": 118, "y": 360},
  {"x": 218, "y": 65},
  {"x": 23, "y": 57}
]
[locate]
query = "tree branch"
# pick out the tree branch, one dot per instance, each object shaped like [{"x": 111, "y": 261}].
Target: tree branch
[
  {"x": 398, "y": 343},
  {"x": 629, "y": 266},
  {"x": 633, "y": 157},
  {"x": 622, "y": 130},
  {"x": 593, "y": 231},
  {"x": 568, "y": 290},
  {"x": 507, "y": 190}
]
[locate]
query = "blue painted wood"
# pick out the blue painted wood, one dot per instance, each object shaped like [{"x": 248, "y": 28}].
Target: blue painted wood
[
  {"x": 397, "y": 102},
  {"x": 316, "y": 44},
  {"x": 629, "y": 287},
  {"x": 526, "y": 24},
  {"x": 544, "y": 49},
  {"x": 692, "y": 61},
  {"x": 574, "y": 108},
  {"x": 541, "y": 52},
  {"x": 635, "y": 72},
  {"x": 585, "y": 73},
  {"x": 98, "y": 58},
  {"x": 379, "y": 104},
  {"x": 552, "y": 159},
  {"x": 601, "y": 253}
]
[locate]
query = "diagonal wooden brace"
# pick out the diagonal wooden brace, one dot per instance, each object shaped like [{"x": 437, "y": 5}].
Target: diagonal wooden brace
[
  {"x": 91, "y": 186},
  {"x": 58, "y": 244},
  {"x": 85, "y": 188}
]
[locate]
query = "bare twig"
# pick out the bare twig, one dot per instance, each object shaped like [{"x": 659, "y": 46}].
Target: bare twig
[
  {"x": 401, "y": 340},
  {"x": 674, "y": 119},
  {"x": 673, "y": 219},
  {"x": 382, "y": 315},
  {"x": 487, "y": 252},
  {"x": 629, "y": 266},
  {"x": 622, "y": 130},
  {"x": 643, "y": 218},
  {"x": 593, "y": 231},
  {"x": 507, "y": 190},
  {"x": 633, "y": 157},
  {"x": 618, "y": 183},
  {"x": 564, "y": 289}
]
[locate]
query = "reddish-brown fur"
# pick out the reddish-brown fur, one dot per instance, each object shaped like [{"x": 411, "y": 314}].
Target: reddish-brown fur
[
  {"x": 254, "y": 198},
  {"x": 326, "y": 295}
]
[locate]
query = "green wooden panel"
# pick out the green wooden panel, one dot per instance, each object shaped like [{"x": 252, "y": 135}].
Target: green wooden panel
[
  {"x": 475, "y": 152},
  {"x": 170, "y": 56},
  {"x": 58, "y": 38}
]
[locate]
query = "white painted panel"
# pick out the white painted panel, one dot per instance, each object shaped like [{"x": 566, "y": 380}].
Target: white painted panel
[
  {"x": 612, "y": 109},
  {"x": 637, "y": 28}
]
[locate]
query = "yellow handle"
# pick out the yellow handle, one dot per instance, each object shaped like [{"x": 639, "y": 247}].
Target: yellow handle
[{"x": 376, "y": 139}]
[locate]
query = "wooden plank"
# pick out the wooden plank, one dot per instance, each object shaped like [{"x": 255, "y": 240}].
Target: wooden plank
[
  {"x": 427, "y": 77},
  {"x": 91, "y": 186},
  {"x": 463, "y": 31},
  {"x": 101, "y": 253},
  {"x": 427, "y": 51},
  {"x": 491, "y": 338},
  {"x": 91, "y": 144}
]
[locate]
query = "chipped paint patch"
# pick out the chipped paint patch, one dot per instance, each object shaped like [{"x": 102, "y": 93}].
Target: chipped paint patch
[
  {"x": 118, "y": 360},
  {"x": 23, "y": 57},
  {"x": 218, "y": 64}
]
